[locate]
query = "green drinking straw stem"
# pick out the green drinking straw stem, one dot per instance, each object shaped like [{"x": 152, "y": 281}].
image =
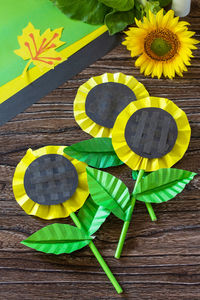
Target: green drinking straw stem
[
  {"x": 127, "y": 223},
  {"x": 99, "y": 257},
  {"x": 151, "y": 212}
]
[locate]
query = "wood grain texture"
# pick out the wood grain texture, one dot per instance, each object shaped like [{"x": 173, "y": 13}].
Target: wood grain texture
[{"x": 160, "y": 260}]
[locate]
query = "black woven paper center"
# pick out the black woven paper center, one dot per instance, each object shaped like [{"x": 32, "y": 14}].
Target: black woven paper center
[
  {"x": 105, "y": 101},
  {"x": 50, "y": 179},
  {"x": 151, "y": 132}
]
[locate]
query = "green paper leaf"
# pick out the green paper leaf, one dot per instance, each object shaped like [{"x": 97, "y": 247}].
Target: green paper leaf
[
  {"x": 162, "y": 185},
  {"x": 135, "y": 174},
  {"x": 96, "y": 152},
  {"x": 88, "y": 11},
  {"x": 121, "y": 5},
  {"x": 58, "y": 239},
  {"x": 118, "y": 20},
  {"x": 108, "y": 191},
  {"x": 92, "y": 216}
]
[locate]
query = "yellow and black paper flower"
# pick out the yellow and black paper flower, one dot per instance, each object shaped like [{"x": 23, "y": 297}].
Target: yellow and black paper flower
[
  {"x": 99, "y": 101},
  {"x": 151, "y": 134},
  {"x": 49, "y": 184}
]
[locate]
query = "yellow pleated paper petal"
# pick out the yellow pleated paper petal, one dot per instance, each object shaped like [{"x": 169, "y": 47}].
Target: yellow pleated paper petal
[
  {"x": 55, "y": 211},
  {"x": 83, "y": 120},
  {"x": 136, "y": 162}
]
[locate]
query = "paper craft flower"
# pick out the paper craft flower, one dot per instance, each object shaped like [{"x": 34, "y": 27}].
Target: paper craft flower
[
  {"x": 163, "y": 43},
  {"x": 49, "y": 184},
  {"x": 40, "y": 49},
  {"x": 151, "y": 134},
  {"x": 99, "y": 101}
]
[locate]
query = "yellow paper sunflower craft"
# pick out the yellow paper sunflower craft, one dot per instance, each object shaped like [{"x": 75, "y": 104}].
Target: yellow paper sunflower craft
[
  {"x": 99, "y": 101},
  {"x": 49, "y": 184},
  {"x": 164, "y": 44},
  {"x": 151, "y": 134}
]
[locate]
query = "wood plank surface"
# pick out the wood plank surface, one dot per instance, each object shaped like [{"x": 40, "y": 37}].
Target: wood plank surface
[{"x": 160, "y": 260}]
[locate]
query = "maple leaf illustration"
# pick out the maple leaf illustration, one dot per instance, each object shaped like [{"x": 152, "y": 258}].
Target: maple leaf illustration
[{"x": 40, "y": 49}]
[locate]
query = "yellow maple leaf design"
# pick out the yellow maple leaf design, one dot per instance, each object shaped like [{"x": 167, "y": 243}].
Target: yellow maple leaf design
[{"x": 40, "y": 49}]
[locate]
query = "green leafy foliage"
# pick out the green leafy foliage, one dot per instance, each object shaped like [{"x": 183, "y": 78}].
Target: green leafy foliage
[
  {"x": 139, "y": 10},
  {"x": 162, "y": 185},
  {"x": 116, "y": 14},
  {"x": 164, "y": 3},
  {"x": 89, "y": 11},
  {"x": 153, "y": 6},
  {"x": 96, "y": 152},
  {"x": 108, "y": 191},
  {"x": 58, "y": 239},
  {"x": 143, "y": 7},
  {"x": 92, "y": 216},
  {"x": 121, "y": 5},
  {"x": 116, "y": 21}
]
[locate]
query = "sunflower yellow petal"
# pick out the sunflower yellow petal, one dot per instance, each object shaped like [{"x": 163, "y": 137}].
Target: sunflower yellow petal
[{"x": 170, "y": 29}]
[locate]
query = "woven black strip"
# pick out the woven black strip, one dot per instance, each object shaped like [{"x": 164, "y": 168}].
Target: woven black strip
[
  {"x": 50, "y": 179},
  {"x": 151, "y": 132},
  {"x": 105, "y": 101}
]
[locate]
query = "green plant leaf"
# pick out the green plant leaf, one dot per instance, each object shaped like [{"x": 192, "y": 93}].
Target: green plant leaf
[
  {"x": 143, "y": 7},
  {"x": 96, "y": 152},
  {"x": 88, "y": 11},
  {"x": 92, "y": 216},
  {"x": 116, "y": 14},
  {"x": 117, "y": 21},
  {"x": 58, "y": 239},
  {"x": 164, "y": 3},
  {"x": 139, "y": 10},
  {"x": 121, "y": 5},
  {"x": 108, "y": 191},
  {"x": 153, "y": 6},
  {"x": 162, "y": 185}
]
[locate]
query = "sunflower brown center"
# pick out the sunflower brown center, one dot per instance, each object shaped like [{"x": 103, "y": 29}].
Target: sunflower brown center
[
  {"x": 160, "y": 47},
  {"x": 50, "y": 179},
  {"x": 161, "y": 44}
]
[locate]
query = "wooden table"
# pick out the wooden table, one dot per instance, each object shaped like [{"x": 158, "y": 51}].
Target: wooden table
[{"x": 160, "y": 260}]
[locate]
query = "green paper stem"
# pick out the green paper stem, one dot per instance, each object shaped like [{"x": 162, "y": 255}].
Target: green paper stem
[
  {"x": 124, "y": 231},
  {"x": 151, "y": 212},
  {"x": 127, "y": 223},
  {"x": 99, "y": 257}
]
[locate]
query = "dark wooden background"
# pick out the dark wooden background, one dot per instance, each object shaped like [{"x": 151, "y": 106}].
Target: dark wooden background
[{"x": 160, "y": 260}]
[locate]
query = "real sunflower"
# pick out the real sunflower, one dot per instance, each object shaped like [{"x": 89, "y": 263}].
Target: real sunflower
[
  {"x": 49, "y": 184},
  {"x": 151, "y": 134},
  {"x": 164, "y": 44},
  {"x": 99, "y": 101}
]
